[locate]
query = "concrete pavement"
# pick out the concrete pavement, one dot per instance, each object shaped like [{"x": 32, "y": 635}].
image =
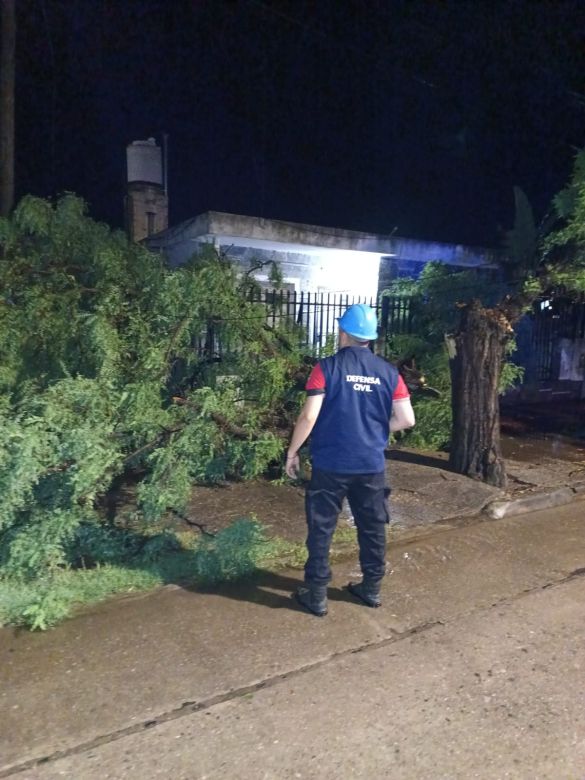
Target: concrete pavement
[
  {"x": 426, "y": 492},
  {"x": 495, "y": 694},
  {"x": 241, "y": 683}
]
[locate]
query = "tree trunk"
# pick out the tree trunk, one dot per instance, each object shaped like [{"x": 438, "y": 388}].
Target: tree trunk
[
  {"x": 476, "y": 353},
  {"x": 7, "y": 67}
]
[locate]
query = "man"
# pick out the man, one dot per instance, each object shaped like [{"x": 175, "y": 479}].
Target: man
[{"x": 354, "y": 400}]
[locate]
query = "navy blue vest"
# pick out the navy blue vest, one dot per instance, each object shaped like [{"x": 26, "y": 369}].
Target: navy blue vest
[{"x": 353, "y": 427}]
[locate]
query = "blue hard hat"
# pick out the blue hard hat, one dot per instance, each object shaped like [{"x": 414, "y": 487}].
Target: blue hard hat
[{"x": 360, "y": 321}]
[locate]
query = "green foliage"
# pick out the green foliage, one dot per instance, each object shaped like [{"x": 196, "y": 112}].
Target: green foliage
[
  {"x": 233, "y": 553},
  {"x": 404, "y": 286},
  {"x": 99, "y": 377},
  {"x": 120, "y": 561},
  {"x": 569, "y": 201},
  {"x": 433, "y": 413},
  {"x": 511, "y": 372},
  {"x": 47, "y": 609},
  {"x": 534, "y": 265},
  {"x": 433, "y": 429},
  {"x": 42, "y": 603},
  {"x": 250, "y": 286},
  {"x": 564, "y": 248},
  {"x": 433, "y": 424},
  {"x": 95, "y": 544},
  {"x": 549, "y": 255},
  {"x": 532, "y": 288},
  {"x": 330, "y": 346}
]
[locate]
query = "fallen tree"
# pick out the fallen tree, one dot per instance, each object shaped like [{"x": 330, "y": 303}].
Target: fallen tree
[{"x": 100, "y": 377}]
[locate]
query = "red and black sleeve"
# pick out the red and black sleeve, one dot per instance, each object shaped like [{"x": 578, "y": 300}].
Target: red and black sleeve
[
  {"x": 401, "y": 393},
  {"x": 316, "y": 381}
]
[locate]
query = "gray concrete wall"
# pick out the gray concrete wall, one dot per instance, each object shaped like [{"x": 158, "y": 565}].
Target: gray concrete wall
[
  {"x": 312, "y": 272},
  {"x": 296, "y": 268}
]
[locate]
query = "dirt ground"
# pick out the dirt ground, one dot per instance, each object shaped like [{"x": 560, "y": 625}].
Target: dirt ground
[
  {"x": 564, "y": 417},
  {"x": 280, "y": 508}
]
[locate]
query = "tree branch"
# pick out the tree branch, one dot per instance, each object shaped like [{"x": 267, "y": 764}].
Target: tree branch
[
  {"x": 235, "y": 430},
  {"x": 193, "y": 523},
  {"x": 153, "y": 443},
  {"x": 174, "y": 336}
]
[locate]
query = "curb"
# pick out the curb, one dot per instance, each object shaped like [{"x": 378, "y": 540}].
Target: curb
[{"x": 499, "y": 509}]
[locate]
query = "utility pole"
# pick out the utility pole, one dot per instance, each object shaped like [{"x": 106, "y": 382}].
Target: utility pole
[{"x": 7, "y": 69}]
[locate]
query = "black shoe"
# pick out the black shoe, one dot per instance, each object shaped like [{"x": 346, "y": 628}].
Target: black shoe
[
  {"x": 367, "y": 591},
  {"x": 313, "y": 598}
]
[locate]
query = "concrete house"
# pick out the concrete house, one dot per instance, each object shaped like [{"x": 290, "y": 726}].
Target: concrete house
[{"x": 312, "y": 258}]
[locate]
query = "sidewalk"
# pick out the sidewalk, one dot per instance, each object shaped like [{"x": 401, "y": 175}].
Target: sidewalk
[
  {"x": 130, "y": 665},
  {"x": 425, "y": 491},
  {"x": 492, "y": 694},
  {"x": 139, "y": 662}
]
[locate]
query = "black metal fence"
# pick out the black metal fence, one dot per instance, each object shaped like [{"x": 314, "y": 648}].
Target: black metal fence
[
  {"x": 554, "y": 318},
  {"x": 312, "y": 315},
  {"x": 396, "y": 315},
  {"x": 308, "y": 318}
]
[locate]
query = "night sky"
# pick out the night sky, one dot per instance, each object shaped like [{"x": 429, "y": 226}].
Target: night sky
[{"x": 373, "y": 115}]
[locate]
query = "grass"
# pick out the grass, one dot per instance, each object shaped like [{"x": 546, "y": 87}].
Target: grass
[
  {"x": 235, "y": 552},
  {"x": 40, "y": 604},
  {"x": 285, "y": 554},
  {"x": 43, "y": 602}
]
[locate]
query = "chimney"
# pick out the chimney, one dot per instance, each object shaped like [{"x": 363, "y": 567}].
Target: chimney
[{"x": 146, "y": 206}]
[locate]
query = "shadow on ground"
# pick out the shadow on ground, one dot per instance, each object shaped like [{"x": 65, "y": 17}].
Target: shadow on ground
[
  {"x": 268, "y": 589},
  {"x": 437, "y": 461}
]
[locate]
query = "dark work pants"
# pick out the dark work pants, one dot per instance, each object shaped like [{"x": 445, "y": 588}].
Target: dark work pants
[{"x": 367, "y": 498}]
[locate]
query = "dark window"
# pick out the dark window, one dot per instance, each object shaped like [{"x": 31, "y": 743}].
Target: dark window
[{"x": 150, "y": 215}]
